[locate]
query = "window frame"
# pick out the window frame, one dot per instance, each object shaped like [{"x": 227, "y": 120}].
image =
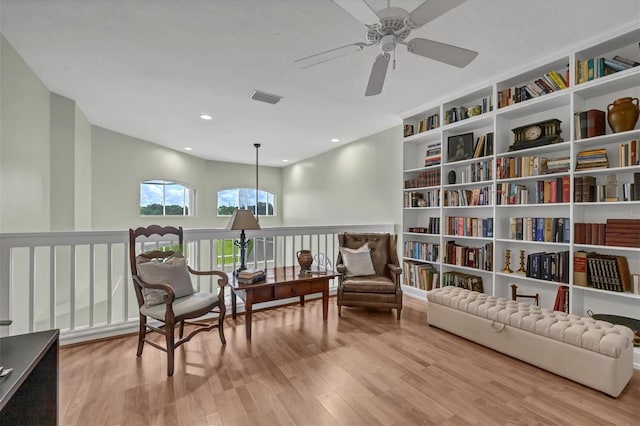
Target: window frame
[
  {"x": 188, "y": 198},
  {"x": 244, "y": 196}
]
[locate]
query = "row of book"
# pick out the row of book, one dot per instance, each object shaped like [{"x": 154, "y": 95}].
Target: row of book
[
  {"x": 628, "y": 154},
  {"x": 421, "y": 250},
  {"x": 423, "y": 179},
  {"x": 584, "y": 189},
  {"x": 548, "y": 191},
  {"x": 587, "y": 190},
  {"x": 543, "y": 229},
  {"x": 602, "y": 271},
  {"x": 615, "y": 232},
  {"x": 479, "y": 171},
  {"x": 461, "y": 279},
  {"x": 420, "y": 275},
  {"x": 429, "y": 123},
  {"x": 458, "y": 113},
  {"x": 549, "y": 266},
  {"x": 589, "y": 124},
  {"x": 433, "y": 156},
  {"x": 468, "y": 197},
  {"x": 592, "y": 159},
  {"x": 484, "y": 146},
  {"x": 433, "y": 227},
  {"x": 514, "y": 167},
  {"x": 547, "y": 83},
  {"x": 471, "y": 257},
  {"x": 422, "y": 199},
  {"x": 592, "y": 68},
  {"x": 468, "y": 226}
]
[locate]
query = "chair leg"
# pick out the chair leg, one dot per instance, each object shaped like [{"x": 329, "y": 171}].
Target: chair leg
[
  {"x": 181, "y": 330},
  {"x": 223, "y": 312},
  {"x": 339, "y": 310},
  {"x": 169, "y": 330},
  {"x": 141, "y": 334},
  {"x": 398, "y": 313}
]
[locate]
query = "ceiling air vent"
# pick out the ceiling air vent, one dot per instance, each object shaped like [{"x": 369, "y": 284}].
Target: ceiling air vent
[{"x": 265, "y": 97}]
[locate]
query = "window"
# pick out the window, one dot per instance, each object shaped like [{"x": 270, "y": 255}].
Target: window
[
  {"x": 164, "y": 198},
  {"x": 245, "y": 198}
]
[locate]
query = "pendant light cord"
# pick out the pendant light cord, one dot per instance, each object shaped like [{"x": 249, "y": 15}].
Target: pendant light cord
[{"x": 257, "y": 145}]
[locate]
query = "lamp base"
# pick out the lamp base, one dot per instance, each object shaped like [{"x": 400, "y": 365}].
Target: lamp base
[{"x": 237, "y": 271}]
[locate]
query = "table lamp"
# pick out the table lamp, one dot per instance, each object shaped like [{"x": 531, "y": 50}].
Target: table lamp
[{"x": 242, "y": 219}]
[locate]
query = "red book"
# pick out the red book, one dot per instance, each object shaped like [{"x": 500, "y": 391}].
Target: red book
[
  {"x": 566, "y": 189},
  {"x": 554, "y": 192},
  {"x": 595, "y": 123}
]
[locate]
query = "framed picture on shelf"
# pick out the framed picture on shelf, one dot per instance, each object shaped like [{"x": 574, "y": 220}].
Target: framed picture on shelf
[
  {"x": 460, "y": 147},
  {"x": 408, "y": 130}
]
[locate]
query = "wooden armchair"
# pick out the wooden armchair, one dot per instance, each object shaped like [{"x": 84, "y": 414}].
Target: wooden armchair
[
  {"x": 370, "y": 271},
  {"x": 164, "y": 292}
]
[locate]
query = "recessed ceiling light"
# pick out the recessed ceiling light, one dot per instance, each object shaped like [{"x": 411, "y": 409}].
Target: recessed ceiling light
[
  {"x": 335, "y": 140},
  {"x": 206, "y": 116},
  {"x": 188, "y": 148},
  {"x": 285, "y": 161}
]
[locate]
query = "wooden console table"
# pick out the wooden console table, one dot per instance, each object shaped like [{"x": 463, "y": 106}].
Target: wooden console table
[
  {"x": 280, "y": 283},
  {"x": 29, "y": 394}
]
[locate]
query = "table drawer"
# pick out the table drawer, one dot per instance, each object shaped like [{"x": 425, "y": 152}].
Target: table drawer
[{"x": 292, "y": 290}]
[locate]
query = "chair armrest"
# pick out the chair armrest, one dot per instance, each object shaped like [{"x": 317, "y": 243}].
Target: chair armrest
[
  {"x": 395, "y": 269},
  {"x": 223, "y": 281},
  {"x": 341, "y": 268},
  {"x": 169, "y": 297},
  {"x": 395, "y": 272}
]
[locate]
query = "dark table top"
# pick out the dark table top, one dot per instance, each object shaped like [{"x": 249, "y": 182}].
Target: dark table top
[
  {"x": 282, "y": 275},
  {"x": 22, "y": 353}
]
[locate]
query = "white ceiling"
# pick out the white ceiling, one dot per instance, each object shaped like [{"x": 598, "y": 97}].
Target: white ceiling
[{"x": 149, "y": 68}]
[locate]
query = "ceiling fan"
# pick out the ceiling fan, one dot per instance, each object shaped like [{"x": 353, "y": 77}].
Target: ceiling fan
[{"x": 389, "y": 27}]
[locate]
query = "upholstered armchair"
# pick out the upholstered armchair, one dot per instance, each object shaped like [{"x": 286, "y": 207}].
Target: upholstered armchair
[{"x": 370, "y": 271}]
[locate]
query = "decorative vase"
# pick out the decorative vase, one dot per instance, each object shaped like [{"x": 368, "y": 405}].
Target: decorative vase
[
  {"x": 451, "y": 177},
  {"x": 622, "y": 114},
  {"x": 305, "y": 259}
]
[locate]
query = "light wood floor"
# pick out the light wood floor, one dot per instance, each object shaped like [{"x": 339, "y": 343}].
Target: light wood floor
[{"x": 365, "y": 368}]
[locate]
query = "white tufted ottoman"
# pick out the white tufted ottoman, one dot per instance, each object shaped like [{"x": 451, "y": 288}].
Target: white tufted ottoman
[{"x": 594, "y": 353}]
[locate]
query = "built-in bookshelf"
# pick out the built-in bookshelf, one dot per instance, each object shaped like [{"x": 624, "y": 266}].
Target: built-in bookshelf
[{"x": 547, "y": 169}]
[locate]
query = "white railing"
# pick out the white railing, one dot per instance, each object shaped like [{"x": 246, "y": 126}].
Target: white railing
[{"x": 80, "y": 282}]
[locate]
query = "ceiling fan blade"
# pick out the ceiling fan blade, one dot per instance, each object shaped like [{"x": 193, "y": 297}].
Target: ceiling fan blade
[
  {"x": 329, "y": 55},
  {"x": 360, "y": 10},
  {"x": 452, "y": 55},
  {"x": 378, "y": 74},
  {"x": 430, "y": 10}
]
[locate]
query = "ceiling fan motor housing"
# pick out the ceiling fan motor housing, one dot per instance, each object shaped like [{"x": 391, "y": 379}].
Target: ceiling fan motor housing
[{"x": 391, "y": 22}]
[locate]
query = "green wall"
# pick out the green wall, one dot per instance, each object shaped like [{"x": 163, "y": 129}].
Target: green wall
[{"x": 24, "y": 146}]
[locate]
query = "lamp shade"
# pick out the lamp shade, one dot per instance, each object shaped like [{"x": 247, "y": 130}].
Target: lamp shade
[{"x": 242, "y": 219}]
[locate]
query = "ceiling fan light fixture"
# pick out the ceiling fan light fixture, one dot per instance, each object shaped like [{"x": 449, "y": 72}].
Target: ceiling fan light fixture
[{"x": 269, "y": 98}]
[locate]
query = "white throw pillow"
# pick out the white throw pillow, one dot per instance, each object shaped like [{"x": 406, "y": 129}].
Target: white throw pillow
[
  {"x": 172, "y": 271},
  {"x": 357, "y": 261}
]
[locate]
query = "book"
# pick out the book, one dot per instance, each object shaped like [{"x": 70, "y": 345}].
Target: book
[
  {"x": 250, "y": 280},
  {"x": 595, "y": 123},
  {"x": 624, "y": 273},
  {"x": 250, "y": 273},
  {"x": 624, "y": 60},
  {"x": 616, "y": 65}
]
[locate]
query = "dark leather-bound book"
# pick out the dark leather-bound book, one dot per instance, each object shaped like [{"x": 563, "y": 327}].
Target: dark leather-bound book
[{"x": 595, "y": 123}]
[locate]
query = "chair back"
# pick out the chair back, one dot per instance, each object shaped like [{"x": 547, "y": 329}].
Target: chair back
[
  {"x": 154, "y": 254},
  {"x": 382, "y": 246}
]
